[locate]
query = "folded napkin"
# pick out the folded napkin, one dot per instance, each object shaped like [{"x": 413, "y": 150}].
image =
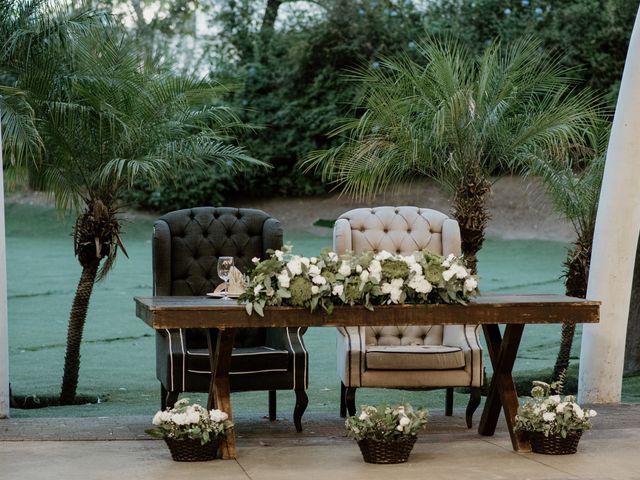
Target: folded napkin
[{"x": 236, "y": 283}]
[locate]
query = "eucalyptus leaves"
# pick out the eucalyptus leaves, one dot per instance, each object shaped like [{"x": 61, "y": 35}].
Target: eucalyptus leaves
[{"x": 366, "y": 279}]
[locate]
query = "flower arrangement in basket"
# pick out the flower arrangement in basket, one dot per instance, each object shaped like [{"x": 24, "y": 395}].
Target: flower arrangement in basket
[
  {"x": 190, "y": 431},
  {"x": 553, "y": 423},
  {"x": 366, "y": 279},
  {"x": 386, "y": 434}
]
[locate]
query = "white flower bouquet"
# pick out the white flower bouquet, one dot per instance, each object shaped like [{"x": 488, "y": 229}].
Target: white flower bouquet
[
  {"x": 386, "y": 423},
  {"x": 552, "y": 414},
  {"x": 367, "y": 279},
  {"x": 185, "y": 421}
]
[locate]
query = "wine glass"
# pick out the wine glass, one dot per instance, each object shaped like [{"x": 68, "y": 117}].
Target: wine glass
[{"x": 224, "y": 269}]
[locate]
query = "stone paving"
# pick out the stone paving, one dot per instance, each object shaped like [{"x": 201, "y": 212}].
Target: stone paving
[{"x": 110, "y": 447}]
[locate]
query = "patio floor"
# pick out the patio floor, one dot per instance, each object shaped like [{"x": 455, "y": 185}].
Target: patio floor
[{"x": 118, "y": 448}]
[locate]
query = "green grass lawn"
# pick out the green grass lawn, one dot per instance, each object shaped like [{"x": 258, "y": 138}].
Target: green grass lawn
[{"x": 118, "y": 353}]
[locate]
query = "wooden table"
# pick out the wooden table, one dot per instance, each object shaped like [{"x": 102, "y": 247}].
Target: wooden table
[{"x": 220, "y": 319}]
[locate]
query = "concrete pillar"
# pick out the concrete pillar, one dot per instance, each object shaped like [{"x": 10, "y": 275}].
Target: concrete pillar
[
  {"x": 614, "y": 244},
  {"x": 4, "y": 317}
]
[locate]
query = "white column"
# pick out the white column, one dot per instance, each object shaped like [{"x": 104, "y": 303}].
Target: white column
[
  {"x": 4, "y": 317},
  {"x": 614, "y": 243}
]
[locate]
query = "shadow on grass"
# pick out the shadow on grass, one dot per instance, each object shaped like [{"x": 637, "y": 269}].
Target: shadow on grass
[{"x": 33, "y": 401}]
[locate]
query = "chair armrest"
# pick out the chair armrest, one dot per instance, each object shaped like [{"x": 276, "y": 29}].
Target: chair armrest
[
  {"x": 451, "y": 242},
  {"x": 161, "y": 254},
  {"x": 350, "y": 350},
  {"x": 463, "y": 336},
  {"x": 271, "y": 235},
  {"x": 286, "y": 338},
  {"x": 342, "y": 236}
]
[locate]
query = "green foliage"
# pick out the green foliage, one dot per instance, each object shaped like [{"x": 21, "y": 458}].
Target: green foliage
[
  {"x": 292, "y": 79},
  {"x": 592, "y": 35},
  {"x": 192, "y": 421},
  {"x": 365, "y": 279},
  {"x": 552, "y": 414},
  {"x": 386, "y": 423}
]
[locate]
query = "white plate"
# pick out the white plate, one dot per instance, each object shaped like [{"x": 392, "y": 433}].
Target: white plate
[{"x": 221, "y": 295}]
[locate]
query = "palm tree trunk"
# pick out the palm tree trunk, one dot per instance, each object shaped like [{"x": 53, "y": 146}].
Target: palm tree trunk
[
  {"x": 74, "y": 333},
  {"x": 470, "y": 210},
  {"x": 577, "y": 275}
]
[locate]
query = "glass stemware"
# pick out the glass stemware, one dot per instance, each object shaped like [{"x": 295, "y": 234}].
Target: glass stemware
[{"x": 224, "y": 269}]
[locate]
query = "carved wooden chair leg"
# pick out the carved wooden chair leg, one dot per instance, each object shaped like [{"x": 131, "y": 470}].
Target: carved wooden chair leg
[
  {"x": 350, "y": 400},
  {"x": 301, "y": 405},
  {"x": 272, "y": 405},
  {"x": 474, "y": 401},
  {"x": 448, "y": 409},
  {"x": 167, "y": 398}
]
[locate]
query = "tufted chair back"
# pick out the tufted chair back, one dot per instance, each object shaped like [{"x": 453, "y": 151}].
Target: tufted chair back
[
  {"x": 198, "y": 236},
  {"x": 396, "y": 356},
  {"x": 400, "y": 230}
]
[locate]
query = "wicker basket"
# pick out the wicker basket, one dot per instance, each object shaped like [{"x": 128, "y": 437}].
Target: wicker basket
[
  {"x": 554, "y": 444},
  {"x": 395, "y": 451},
  {"x": 191, "y": 450}
]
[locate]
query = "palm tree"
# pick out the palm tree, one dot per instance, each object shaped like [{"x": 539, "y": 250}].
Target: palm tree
[
  {"x": 91, "y": 117},
  {"x": 458, "y": 119},
  {"x": 574, "y": 185}
]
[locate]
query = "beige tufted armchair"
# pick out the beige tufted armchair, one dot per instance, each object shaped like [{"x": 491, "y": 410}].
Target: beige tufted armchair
[{"x": 412, "y": 357}]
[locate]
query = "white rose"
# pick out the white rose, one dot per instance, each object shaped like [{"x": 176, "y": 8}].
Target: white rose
[
  {"x": 157, "y": 418},
  {"x": 470, "y": 284},
  {"x": 548, "y": 416},
  {"x": 193, "y": 417},
  {"x": 461, "y": 272},
  {"x": 420, "y": 284},
  {"x": 315, "y": 289},
  {"x": 295, "y": 266},
  {"x": 283, "y": 279},
  {"x": 578, "y": 411},
  {"x": 313, "y": 260},
  {"x": 345, "y": 269},
  {"x": 319, "y": 280},
  {"x": 555, "y": 399},
  {"x": 448, "y": 260},
  {"x": 180, "y": 419},
  {"x": 383, "y": 255},
  {"x": 338, "y": 290},
  {"x": 394, "y": 289},
  {"x": 358, "y": 268},
  {"x": 404, "y": 421},
  {"x": 560, "y": 407},
  {"x": 332, "y": 256},
  {"x": 279, "y": 255},
  {"x": 364, "y": 276},
  {"x": 314, "y": 270},
  {"x": 255, "y": 260},
  {"x": 448, "y": 274},
  {"x": 305, "y": 261},
  {"x": 375, "y": 266},
  {"x": 363, "y": 416},
  {"x": 218, "y": 416}
]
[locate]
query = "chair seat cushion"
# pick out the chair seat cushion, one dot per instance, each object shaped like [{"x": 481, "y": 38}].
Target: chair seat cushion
[
  {"x": 414, "y": 357},
  {"x": 244, "y": 360}
]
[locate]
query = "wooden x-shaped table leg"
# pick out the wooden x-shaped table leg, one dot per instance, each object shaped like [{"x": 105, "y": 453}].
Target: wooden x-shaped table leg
[
  {"x": 502, "y": 390},
  {"x": 220, "y": 342}
]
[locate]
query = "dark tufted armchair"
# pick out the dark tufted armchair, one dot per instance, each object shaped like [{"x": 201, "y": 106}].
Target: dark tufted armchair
[{"x": 186, "y": 246}]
